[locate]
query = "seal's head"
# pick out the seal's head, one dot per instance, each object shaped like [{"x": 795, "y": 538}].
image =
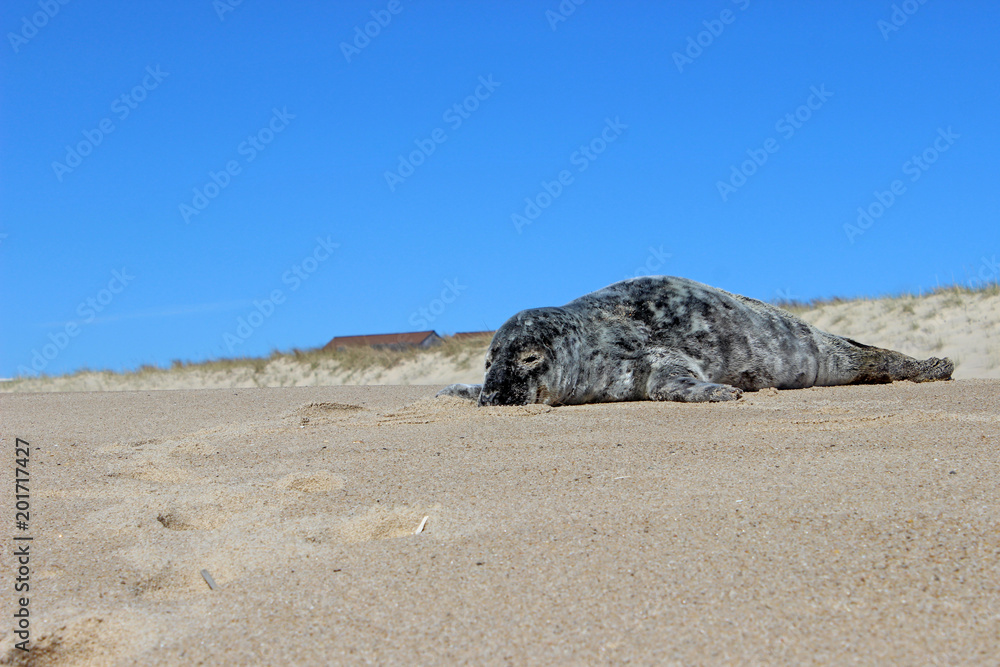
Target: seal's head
[{"x": 531, "y": 358}]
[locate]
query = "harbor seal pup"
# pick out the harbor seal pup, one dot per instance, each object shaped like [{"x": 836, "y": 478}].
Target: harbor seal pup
[{"x": 663, "y": 338}]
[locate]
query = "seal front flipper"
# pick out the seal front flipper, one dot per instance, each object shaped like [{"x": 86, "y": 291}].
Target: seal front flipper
[
  {"x": 688, "y": 389},
  {"x": 467, "y": 391}
]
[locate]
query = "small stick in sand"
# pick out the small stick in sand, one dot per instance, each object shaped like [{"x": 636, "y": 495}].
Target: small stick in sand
[
  {"x": 420, "y": 528},
  {"x": 208, "y": 579}
]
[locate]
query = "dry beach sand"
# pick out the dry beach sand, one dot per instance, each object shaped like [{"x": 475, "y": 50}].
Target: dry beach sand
[{"x": 821, "y": 526}]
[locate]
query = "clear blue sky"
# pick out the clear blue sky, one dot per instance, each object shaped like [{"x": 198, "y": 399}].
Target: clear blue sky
[{"x": 728, "y": 142}]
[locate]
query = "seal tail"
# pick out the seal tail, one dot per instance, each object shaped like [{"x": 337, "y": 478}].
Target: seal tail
[{"x": 879, "y": 365}]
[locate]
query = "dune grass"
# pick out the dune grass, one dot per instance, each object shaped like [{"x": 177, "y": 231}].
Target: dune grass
[
  {"x": 985, "y": 289},
  {"x": 349, "y": 359}
]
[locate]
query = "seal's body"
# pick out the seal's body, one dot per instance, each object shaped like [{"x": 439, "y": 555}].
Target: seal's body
[{"x": 671, "y": 339}]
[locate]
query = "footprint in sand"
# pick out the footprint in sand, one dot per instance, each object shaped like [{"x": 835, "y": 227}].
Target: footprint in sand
[
  {"x": 196, "y": 510},
  {"x": 321, "y": 481},
  {"x": 430, "y": 410},
  {"x": 380, "y": 523},
  {"x": 85, "y": 639},
  {"x": 312, "y": 414},
  {"x": 191, "y": 519},
  {"x": 152, "y": 471},
  {"x": 159, "y": 576},
  {"x": 830, "y": 424},
  {"x": 125, "y": 450}
]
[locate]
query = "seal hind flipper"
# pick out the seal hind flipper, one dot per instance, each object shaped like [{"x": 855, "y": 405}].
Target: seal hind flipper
[
  {"x": 934, "y": 369},
  {"x": 880, "y": 366},
  {"x": 469, "y": 392}
]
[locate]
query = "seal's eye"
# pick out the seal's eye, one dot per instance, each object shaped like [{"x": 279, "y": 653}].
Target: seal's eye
[
  {"x": 488, "y": 364},
  {"x": 530, "y": 359}
]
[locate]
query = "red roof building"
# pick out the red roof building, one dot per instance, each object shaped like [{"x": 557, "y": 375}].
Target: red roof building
[{"x": 396, "y": 341}]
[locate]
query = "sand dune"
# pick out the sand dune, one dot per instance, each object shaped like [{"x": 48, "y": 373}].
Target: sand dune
[
  {"x": 958, "y": 324},
  {"x": 964, "y": 326},
  {"x": 820, "y": 526}
]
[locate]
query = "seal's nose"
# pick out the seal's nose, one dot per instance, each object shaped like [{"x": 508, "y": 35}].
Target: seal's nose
[{"x": 487, "y": 398}]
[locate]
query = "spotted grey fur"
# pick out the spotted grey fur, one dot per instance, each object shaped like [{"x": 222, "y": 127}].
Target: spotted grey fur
[{"x": 662, "y": 338}]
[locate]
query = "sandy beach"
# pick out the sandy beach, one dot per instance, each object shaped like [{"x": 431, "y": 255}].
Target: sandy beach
[{"x": 819, "y": 526}]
